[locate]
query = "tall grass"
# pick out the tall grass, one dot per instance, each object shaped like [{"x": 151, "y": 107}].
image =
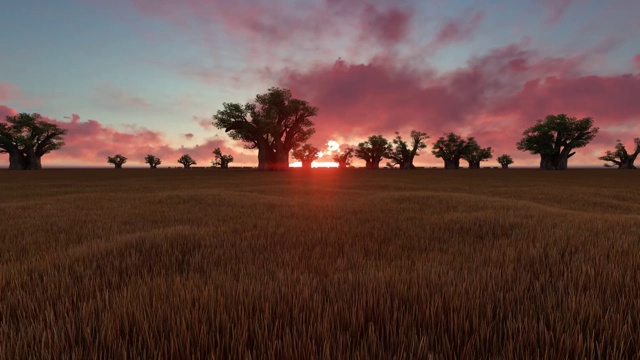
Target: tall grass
[{"x": 321, "y": 264}]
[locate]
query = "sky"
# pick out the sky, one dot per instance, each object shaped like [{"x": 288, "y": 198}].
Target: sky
[{"x": 140, "y": 77}]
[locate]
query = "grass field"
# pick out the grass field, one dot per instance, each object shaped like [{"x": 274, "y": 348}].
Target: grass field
[{"x": 321, "y": 264}]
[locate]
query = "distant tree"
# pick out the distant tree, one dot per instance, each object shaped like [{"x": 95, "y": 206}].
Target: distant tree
[
  {"x": 275, "y": 124},
  {"x": 505, "y": 160},
  {"x": 344, "y": 158},
  {"x": 306, "y": 154},
  {"x": 152, "y": 161},
  {"x": 117, "y": 160},
  {"x": 27, "y": 138},
  {"x": 451, "y": 148},
  {"x": 476, "y": 154},
  {"x": 620, "y": 157},
  {"x": 404, "y": 152},
  {"x": 373, "y": 150},
  {"x": 186, "y": 161},
  {"x": 222, "y": 161},
  {"x": 555, "y": 138}
]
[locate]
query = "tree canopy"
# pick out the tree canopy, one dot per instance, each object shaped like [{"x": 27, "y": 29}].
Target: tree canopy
[
  {"x": 117, "y": 160},
  {"x": 405, "y": 151},
  {"x": 555, "y": 138},
  {"x": 26, "y": 138},
  {"x": 274, "y": 124},
  {"x": 505, "y": 160},
  {"x": 222, "y": 161},
  {"x": 344, "y": 158},
  {"x": 476, "y": 154},
  {"x": 620, "y": 157},
  {"x": 373, "y": 150},
  {"x": 186, "y": 161},
  {"x": 306, "y": 154},
  {"x": 451, "y": 147},
  {"x": 152, "y": 161}
]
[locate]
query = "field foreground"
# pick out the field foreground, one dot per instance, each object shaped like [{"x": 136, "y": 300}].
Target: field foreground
[{"x": 330, "y": 264}]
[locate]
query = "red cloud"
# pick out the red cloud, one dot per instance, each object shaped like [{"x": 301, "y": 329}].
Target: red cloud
[
  {"x": 387, "y": 26},
  {"x": 188, "y": 136},
  {"x": 90, "y": 142},
  {"x": 6, "y": 111},
  {"x": 495, "y": 97}
]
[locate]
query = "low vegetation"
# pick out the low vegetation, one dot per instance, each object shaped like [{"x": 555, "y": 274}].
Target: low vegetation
[{"x": 425, "y": 264}]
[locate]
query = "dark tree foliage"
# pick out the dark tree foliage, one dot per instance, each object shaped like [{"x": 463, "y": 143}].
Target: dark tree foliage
[
  {"x": 373, "y": 150},
  {"x": 620, "y": 157},
  {"x": 505, "y": 160},
  {"x": 117, "y": 160},
  {"x": 152, "y": 161},
  {"x": 451, "y": 147},
  {"x": 274, "y": 124},
  {"x": 476, "y": 154},
  {"x": 186, "y": 161},
  {"x": 26, "y": 138},
  {"x": 405, "y": 151},
  {"x": 555, "y": 138},
  {"x": 344, "y": 158},
  {"x": 306, "y": 154},
  {"x": 222, "y": 161}
]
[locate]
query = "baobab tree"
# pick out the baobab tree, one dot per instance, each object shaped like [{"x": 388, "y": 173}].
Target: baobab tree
[
  {"x": 451, "y": 148},
  {"x": 222, "y": 161},
  {"x": 152, "y": 161},
  {"x": 505, "y": 160},
  {"x": 404, "y": 152},
  {"x": 555, "y": 138},
  {"x": 306, "y": 154},
  {"x": 275, "y": 124},
  {"x": 344, "y": 158},
  {"x": 117, "y": 160},
  {"x": 186, "y": 161},
  {"x": 476, "y": 154},
  {"x": 620, "y": 157},
  {"x": 27, "y": 138},
  {"x": 373, "y": 150}
]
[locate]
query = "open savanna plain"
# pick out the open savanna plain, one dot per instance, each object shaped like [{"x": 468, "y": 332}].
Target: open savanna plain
[{"x": 431, "y": 264}]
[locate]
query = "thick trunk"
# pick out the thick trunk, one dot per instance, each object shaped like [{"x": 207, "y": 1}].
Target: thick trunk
[
  {"x": 342, "y": 166},
  {"x": 306, "y": 164},
  {"x": 373, "y": 165},
  {"x": 451, "y": 164},
  {"x": 627, "y": 164},
  {"x": 224, "y": 165},
  {"x": 17, "y": 161},
  {"x": 118, "y": 166},
  {"x": 474, "y": 165},
  {"x": 554, "y": 162},
  {"x": 505, "y": 166},
  {"x": 407, "y": 166}
]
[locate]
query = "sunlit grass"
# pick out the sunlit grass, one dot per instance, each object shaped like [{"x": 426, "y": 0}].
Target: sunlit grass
[{"x": 319, "y": 264}]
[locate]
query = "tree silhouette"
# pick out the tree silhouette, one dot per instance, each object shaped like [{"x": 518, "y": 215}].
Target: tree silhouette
[
  {"x": 476, "y": 154},
  {"x": 620, "y": 157},
  {"x": 117, "y": 160},
  {"x": 306, "y": 154},
  {"x": 152, "y": 161},
  {"x": 555, "y": 138},
  {"x": 344, "y": 158},
  {"x": 222, "y": 161},
  {"x": 276, "y": 123},
  {"x": 27, "y": 138},
  {"x": 505, "y": 160},
  {"x": 186, "y": 161},
  {"x": 451, "y": 148},
  {"x": 373, "y": 150},
  {"x": 404, "y": 152}
]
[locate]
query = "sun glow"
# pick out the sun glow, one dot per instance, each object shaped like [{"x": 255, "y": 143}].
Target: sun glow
[{"x": 330, "y": 147}]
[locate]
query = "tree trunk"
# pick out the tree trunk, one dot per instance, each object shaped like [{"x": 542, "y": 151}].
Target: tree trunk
[
  {"x": 554, "y": 162},
  {"x": 374, "y": 165},
  {"x": 474, "y": 165},
  {"x": 306, "y": 164},
  {"x": 17, "y": 161},
  {"x": 627, "y": 164},
  {"x": 451, "y": 164},
  {"x": 118, "y": 166},
  {"x": 407, "y": 166},
  {"x": 505, "y": 166}
]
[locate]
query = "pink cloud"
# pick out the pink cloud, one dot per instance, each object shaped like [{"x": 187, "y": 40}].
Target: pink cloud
[
  {"x": 636, "y": 61},
  {"x": 555, "y": 9},
  {"x": 188, "y": 136},
  {"x": 458, "y": 30}
]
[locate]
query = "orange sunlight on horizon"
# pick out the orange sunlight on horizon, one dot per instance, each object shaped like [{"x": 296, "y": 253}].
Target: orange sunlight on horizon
[{"x": 330, "y": 147}]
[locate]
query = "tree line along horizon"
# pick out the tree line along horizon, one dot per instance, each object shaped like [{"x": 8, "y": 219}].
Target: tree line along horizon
[{"x": 279, "y": 126}]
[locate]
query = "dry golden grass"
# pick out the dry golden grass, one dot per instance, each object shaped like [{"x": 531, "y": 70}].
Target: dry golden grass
[{"x": 322, "y": 264}]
